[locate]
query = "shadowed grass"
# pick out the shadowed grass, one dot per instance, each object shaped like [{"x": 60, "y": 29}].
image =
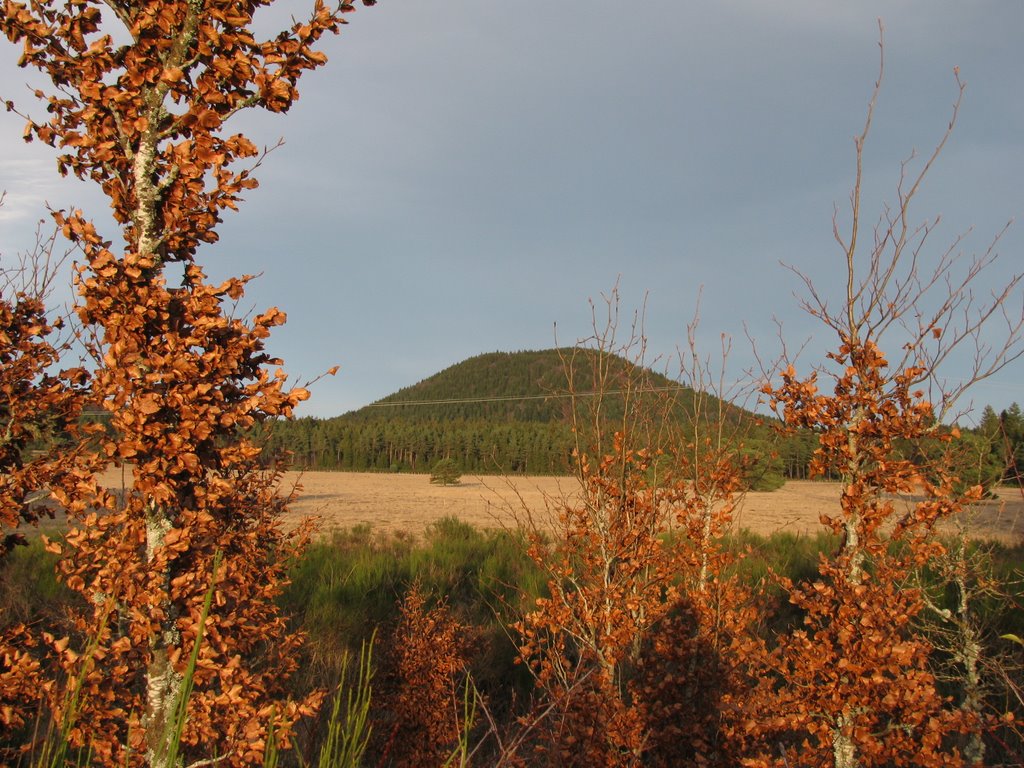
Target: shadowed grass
[{"x": 345, "y": 587}]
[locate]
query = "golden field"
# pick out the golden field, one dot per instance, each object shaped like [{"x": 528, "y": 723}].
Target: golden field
[{"x": 408, "y": 503}]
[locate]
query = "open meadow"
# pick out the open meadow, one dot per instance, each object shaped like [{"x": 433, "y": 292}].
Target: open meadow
[{"x": 408, "y": 503}]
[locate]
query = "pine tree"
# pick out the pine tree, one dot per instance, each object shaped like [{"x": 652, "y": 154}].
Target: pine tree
[{"x": 446, "y": 472}]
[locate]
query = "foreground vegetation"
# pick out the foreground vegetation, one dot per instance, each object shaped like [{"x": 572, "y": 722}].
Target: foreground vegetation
[
  {"x": 469, "y": 587},
  {"x": 621, "y": 625}
]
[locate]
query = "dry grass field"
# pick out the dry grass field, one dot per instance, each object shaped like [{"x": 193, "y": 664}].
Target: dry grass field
[{"x": 409, "y": 503}]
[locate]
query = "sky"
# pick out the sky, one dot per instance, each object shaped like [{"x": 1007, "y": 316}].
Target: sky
[{"x": 465, "y": 177}]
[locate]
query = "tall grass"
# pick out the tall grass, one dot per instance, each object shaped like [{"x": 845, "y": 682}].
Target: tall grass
[
  {"x": 348, "y": 728},
  {"x": 343, "y": 588},
  {"x": 55, "y": 749},
  {"x": 783, "y": 553}
]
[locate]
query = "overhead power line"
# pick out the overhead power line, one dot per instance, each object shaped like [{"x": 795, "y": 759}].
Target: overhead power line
[{"x": 513, "y": 398}]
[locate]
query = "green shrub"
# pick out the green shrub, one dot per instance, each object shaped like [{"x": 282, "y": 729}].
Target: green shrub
[
  {"x": 763, "y": 468},
  {"x": 446, "y": 472}
]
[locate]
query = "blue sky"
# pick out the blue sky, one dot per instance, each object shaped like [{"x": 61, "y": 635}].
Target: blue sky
[{"x": 462, "y": 176}]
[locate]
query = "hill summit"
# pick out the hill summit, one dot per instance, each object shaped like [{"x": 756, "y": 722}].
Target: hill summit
[
  {"x": 504, "y": 387},
  {"x": 499, "y": 412},
  {"x": 500, "y": 387}
]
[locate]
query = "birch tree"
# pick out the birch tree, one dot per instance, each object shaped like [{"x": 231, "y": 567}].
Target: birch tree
[
  {"x": 140, "y": 101},
  {"x": 854, "y": 686}
]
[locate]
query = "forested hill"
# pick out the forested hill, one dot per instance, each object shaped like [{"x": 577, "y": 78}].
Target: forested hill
[
  {"x": 507, "y": 412},
  {"x": 496, "y": 412},
  {"x": 507, "y": 387},
  {"x": 499, "y": 387}
]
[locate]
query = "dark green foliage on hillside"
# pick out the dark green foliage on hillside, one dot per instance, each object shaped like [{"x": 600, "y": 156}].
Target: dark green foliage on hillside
[
  {"x": 495, "y": 387},
  {"x": 507, "y": 412},
  {"x": 1004, "y": 432},
  {"x": 409, "y": 445},
  {"x": 991, "y": 453},
  {"x": 501, "y": 412}
]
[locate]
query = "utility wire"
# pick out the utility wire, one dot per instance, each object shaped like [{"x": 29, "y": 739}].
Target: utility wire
[
  {"x": 513, "y": 398},
  {"x": 100, "y": 413}
]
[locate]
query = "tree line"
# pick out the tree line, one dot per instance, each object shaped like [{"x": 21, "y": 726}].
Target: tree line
[
  {"x": 398, "y": 446},
  {"x": 991, "y": 452}
]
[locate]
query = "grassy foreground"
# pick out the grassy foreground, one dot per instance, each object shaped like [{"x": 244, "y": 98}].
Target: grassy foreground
[{"x": 347, "y": 592}]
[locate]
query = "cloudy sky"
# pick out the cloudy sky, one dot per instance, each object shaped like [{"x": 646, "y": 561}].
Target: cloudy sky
[{"x": 465, "y": 175}]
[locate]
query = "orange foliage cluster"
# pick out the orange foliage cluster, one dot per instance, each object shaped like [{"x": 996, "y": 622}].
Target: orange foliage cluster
[
  {"x": 854, "y": 684},
  {"x": 141, "y": 96},
  {"x": 145, "y": 120},
  {"x": 650, "y": 652},
  {"x": 639, "y": 651},
  {"x": 418, "y": 704},
  {"x": 34, "y": 405}
]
